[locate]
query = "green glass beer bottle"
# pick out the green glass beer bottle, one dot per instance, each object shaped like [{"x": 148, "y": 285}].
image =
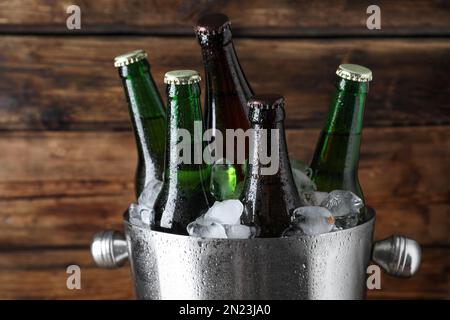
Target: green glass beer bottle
[
  {"x": 147, "y": 116},
  {"x": 269, "y": 195},
  {"x": 183, "y": 197},
  {"x": 335, "y": 162},
  {"x": 227, "y": 92}
]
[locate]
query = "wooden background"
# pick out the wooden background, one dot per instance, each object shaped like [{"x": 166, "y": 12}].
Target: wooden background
[{"x": 68, "y": 156}]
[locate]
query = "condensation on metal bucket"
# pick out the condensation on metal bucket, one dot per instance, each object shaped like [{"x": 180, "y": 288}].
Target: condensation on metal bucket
[{"x": 328, "y": 266}]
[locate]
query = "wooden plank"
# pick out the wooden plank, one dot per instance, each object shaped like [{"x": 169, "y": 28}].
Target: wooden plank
[
  {"x": 41, "y": 274},
  {"x": 58, "y": 188},
  {"x": 280, "y": 18},
  {"x": 70, "y": 83},
  {"x": 66, "y": 163},
  {"x": 60, "y": 221}
]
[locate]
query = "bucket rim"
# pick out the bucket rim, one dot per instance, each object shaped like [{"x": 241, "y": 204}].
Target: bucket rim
[{"x": 367, "y": 224}]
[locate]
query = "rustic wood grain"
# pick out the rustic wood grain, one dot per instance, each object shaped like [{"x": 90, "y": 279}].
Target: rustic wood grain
[
  {"x": 61, "y": 83},
  {"x": 403, "y": 171},
  {"x": 61, "y": 221},
  {"x": 43, "y": 164},
  {"x": 41, "y": 274},
  {"x": 261, "y": 17}
]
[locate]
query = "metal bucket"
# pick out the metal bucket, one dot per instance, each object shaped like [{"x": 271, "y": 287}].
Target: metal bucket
[{"x": 327, "y": 266}]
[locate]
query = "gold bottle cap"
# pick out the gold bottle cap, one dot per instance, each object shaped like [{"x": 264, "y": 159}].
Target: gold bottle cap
[
  {"x": 129, "y": 58},
  {"x": 182, "y": 77},
  {"x": 354, "y": 72}
]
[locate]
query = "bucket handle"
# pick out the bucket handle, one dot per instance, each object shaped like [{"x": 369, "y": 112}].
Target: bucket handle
[
  {"x": 109, "y": 249},
  {"x": 397, "y": 255}
]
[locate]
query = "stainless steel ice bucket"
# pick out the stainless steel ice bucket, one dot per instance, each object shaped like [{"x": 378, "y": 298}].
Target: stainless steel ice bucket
[{"x": 327, "y": 266}]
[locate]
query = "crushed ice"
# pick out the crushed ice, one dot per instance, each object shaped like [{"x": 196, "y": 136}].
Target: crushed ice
[{"x": 222, "y": 221}]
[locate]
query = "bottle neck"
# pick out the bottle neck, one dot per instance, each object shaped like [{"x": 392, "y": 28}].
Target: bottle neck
[
  {"x": 268, "y": 156},
  {"x": 184, "y": 130},
  {"x": 269, "y": 198},
  {"x": 148, "y": 119},
  {"x": 335, "y": 162},
  {"x": 142, "y": 93},
  {"x": 347, "y": 108},
  {"x": 223, "y": 72}
]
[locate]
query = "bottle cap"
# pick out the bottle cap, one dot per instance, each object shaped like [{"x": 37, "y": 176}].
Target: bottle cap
[
  {"x": 212, "y": 24},
  {"x": 354, "y": 72},
  {"x": 266, "y": 101},
  {"x": 129, "y": 58},
  {"x": 182, "y": 77}
]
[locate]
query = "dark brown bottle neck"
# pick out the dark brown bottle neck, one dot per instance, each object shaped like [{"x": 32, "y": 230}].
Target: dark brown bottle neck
[
  {"x": 277, "y": 188},
  {"x": 223, "y": 71},
  {"x": 275, "y": 148}
]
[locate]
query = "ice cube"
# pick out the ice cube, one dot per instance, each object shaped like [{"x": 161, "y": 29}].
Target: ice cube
[
  {"x": 347, "y": 221},
  {"x": 302, "y": 173},
  {"x": 345, "y": 207},
  {"x": 147, "y": 215},
  {"x": 318, "y": 197},
  {"x": 313, "y": 198},
  {"x": 311, "y": 220},
  {"x": 211, "y": 230},
  {"x": 150, "y": 193},
  {"x": 239, "y": 231},
  {"x": 225, "y": 212},
  {"x": 141, "y": 215},
  {"x": 341, "y": 203},
  {"x": 134, "y": 214},
  {"x": 222, "y": 220}
]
